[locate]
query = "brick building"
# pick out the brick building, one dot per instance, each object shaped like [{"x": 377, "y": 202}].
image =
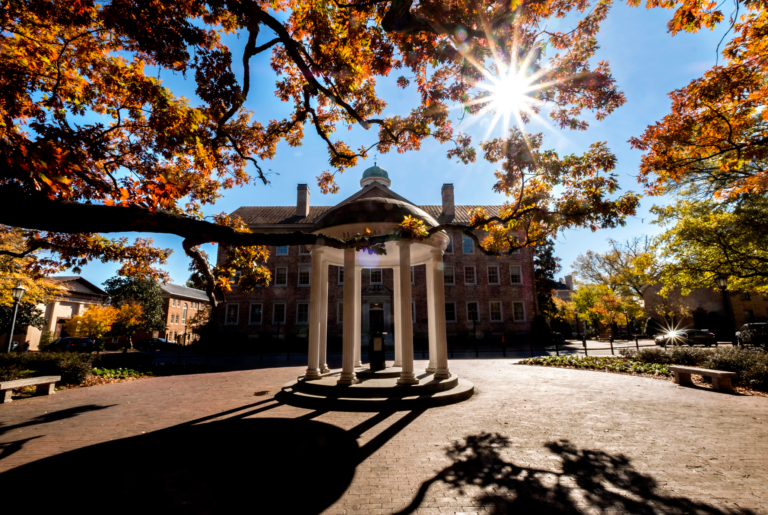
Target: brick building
[
  {"x": 491, "y": 295},
  {"x": 180, "y": 305},
  {"x": 705, "y": 306}
]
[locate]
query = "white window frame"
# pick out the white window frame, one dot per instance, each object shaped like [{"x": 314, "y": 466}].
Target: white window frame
[
  {"x": 250, "y": 313},
  {"x": 381, "y": 271},
  {"x": 302, "y": 303},
  {"x": 307, "y": 253},
  {"x": 237, "y": 314},
  {"x": 476, "y": 303},
  {"x": 520, "y": 273},
  {"x": 474, "y": 274},
  {"x": 286, "y": 277},
  {"x": 453, "y": 275},
  {"x": 501, "y": 310},
  {"x": 184, "y": 310},
  {"x": 287, "y": 250},
  {"x": 309, "y": 276},
  {"x": 513, "y": 311},
  {"x": 340, "y": 278},
  {"x": 274, "y": 312},
  {"x": 340, "y": 312},
  {"x": 455, "y": 315},
  {"x": 449, "y": 248},
  {"x": 463, "y": 250},
  {"x": 498, "y": 276}
]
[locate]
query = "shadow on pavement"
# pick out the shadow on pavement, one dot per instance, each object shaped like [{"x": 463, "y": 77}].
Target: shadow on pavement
[
  {"x": 589, "y": 482},
  {"x": 262, "y": 465}
]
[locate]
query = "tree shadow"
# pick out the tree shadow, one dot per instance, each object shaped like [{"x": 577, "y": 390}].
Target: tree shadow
[
  {"x": 209, "y": 465},
  {"x": 589, "y": 482},
  {"x": 53, "y": 416}
]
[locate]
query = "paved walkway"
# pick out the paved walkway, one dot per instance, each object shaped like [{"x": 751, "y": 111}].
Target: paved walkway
[{"x": 532, "y": 440}]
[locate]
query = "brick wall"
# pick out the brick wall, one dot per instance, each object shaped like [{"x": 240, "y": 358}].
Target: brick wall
[{"x": 459, "y": 293}]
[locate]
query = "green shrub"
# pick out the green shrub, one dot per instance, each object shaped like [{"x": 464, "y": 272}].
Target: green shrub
[
  {"x": 46, "y": 339},
  {"x": 118, "y": 373},
  {"x": 73, "y": 368},
  {"x": 751, "y": 366},
  {"x": 609, "y": 363}
]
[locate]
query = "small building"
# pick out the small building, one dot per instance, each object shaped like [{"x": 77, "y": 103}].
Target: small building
[
  {"x": 80, "y": 295},
  {"x": 564, "y": 288},
  {"x": 181, "y": 305}
]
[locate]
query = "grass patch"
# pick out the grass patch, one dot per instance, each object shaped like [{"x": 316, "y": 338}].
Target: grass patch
[{"x": 607, "y": 364}]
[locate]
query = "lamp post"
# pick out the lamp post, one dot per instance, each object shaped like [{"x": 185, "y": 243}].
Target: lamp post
[
  {"x": 17, "y": 293},
  {"x": 722, "y": 282},
  {"x": 578, "y": 328}
]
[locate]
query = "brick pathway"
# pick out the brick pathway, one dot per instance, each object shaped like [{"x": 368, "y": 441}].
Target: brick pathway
[{"x": 532, "y": 439}]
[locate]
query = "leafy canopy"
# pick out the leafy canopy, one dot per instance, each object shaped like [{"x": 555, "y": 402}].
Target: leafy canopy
[{"x": 93, "y": 141}]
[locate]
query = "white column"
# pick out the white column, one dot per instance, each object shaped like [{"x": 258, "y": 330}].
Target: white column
[
  {"x": 315, "y": 300},
  {"x": 398, "y": 321},
  {"x": 358, "y": 316},
  {"x": 324, "y": 320},
  {"x": 350, "y": 292},
  {"x": 435, "y": 267},
  {"x": 431, "y": 327},
  {"x": 406, "y": 376}
]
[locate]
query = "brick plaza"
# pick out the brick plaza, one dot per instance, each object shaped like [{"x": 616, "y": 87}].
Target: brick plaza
[{"x": 531, "y": 440}]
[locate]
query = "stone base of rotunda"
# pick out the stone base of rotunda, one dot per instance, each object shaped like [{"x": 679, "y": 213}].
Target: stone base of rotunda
[{"x": 376, "y": 391}]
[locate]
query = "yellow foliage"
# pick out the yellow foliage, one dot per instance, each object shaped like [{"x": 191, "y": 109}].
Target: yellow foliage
[{"x": 94, "y": 323}]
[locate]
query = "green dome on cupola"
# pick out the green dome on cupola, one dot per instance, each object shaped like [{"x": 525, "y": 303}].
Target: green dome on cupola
[
  {"x": 375, "y": 171},
  {"x": 375, "y": 174}
]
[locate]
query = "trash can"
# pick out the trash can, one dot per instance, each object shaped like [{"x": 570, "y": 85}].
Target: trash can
[{"x": 376, "y": 351}]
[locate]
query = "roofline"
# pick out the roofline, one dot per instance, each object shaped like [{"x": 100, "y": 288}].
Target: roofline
[{"x": 87, "y": 283}]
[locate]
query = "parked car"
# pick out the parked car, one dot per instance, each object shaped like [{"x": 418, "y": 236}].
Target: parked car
[
  {"x": 156, "y": 344},
  {"x": 753, "y": 334},
  {"x": 73, "y": 344},
  {"x": 688, "y": 337}
]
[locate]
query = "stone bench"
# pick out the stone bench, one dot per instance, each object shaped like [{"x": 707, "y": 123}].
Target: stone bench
[
  {"x": 721, "y": 380},
  {"x": 45, "y": 386}
]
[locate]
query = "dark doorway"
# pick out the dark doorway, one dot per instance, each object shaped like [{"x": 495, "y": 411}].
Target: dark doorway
[{"x": 376, "y": 320}]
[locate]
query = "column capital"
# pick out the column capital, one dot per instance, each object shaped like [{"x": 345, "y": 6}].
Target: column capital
[
  {"x": 405, "y": 243},
  {"x": 318, "y": 250},
  {"x": 436, "y": 252}
]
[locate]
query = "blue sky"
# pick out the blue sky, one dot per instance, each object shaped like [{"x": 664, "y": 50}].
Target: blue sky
[{"x": 647, "y": 64}]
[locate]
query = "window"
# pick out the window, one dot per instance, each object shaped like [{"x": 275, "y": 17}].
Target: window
[
  {"x": 449, "y": 248},
  {"x": 255, "y": 317},
  {"x": 493, "y": 275},
  {"x": 340, "y": 313},
  {"x": 413, "y": 276},
  {"x": 192, "y": 305},
  {"x": 473, "y": 311},
  {"x": 232, "y": 312},
  {"x": 173, "y": 303},
  {"x": 467, "y": 245},
  {"x": 469, "y": 275},
  {"x": 282, "y": 250},
  {"x": 304, "y": 276},
  {"x": 744, "y": 295},
  {"x": 514, "y": 275},
  {"x": 281, "y": 276},
  {"x": 341, "y": 275},
  {"x": 450, "y": 311},
  {"x": 749, "y": 315},
  {"x": 184, "y": 313},
  {"x": 376, "y": 276},
  {"x": 278, "y": 314},
  {"x": 303, "y": 250},
  {"x": 413, "y": 312},
  {"x": 518, "y": 312},
  {"x": 496, "y": 311},
  {"x": 302, "y": 313},
  {"x": 448, "y": 277}
]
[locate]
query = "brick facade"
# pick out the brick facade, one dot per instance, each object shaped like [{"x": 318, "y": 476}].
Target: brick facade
[
  {"x": 180, "y": 305},
  {"x": 512, "y": 306}
]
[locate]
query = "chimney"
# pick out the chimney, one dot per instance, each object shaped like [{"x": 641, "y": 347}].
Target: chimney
[
  {"x": 302, "y": 200},
  {"x": 449, "y": 209},
  {"x": 569, "y": 281}
]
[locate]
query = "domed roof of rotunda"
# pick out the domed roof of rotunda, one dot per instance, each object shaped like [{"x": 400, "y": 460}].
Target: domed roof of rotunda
[
  {"x": 373, "y": 210},
  {"x": 375, "y": 171}
]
